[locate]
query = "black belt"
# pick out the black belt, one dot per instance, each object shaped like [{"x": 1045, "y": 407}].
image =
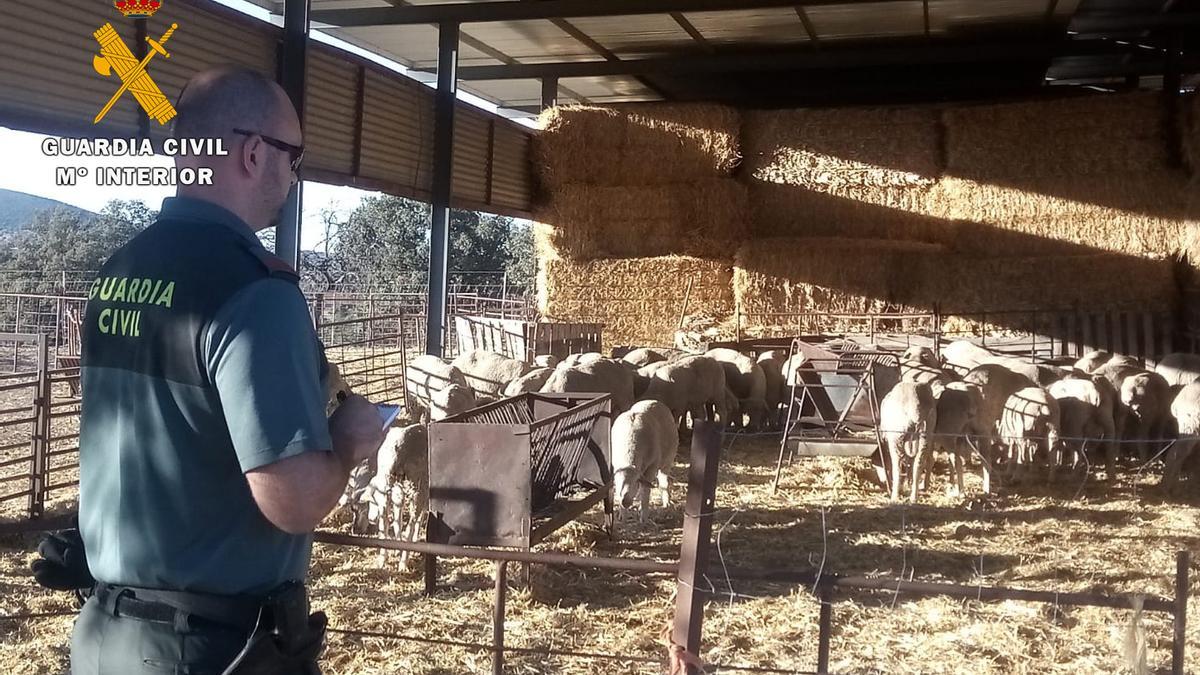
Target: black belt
[{"x": 181, "y": 610}]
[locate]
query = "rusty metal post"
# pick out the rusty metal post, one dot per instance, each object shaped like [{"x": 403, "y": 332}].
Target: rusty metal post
[
  {"x": 825, "y": 624},
  {"x": 431, "y": 564},
  {"x": 1183, "y": 561},
  {"x": 697, "y": 535},
  {"x": 41, "y": 432},
  {"x": 498, "y": 617}
]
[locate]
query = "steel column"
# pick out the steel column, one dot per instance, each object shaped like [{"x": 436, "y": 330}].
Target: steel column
[
  {"x": 549, "y": 91},
  {"x": 443, "y": 174},
  {"x": 292, "y": 68},
  {"x": 498, "y": 617},
  {"x": 1183, "y": 561}
]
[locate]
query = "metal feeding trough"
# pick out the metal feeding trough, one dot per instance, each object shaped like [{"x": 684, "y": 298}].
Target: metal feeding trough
[
  {"x": 833, "y": 407},
  {"x": 514, "y": 471}
]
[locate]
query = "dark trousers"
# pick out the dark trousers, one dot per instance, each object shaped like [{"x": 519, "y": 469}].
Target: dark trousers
[{"x": 104, "y": 643}]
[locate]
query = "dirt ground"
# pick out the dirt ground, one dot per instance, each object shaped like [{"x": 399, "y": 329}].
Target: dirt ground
[{"x": 1108, "y": 539}]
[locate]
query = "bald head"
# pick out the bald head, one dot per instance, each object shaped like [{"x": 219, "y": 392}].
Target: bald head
[
  {"x": 254, "y": 178},
  {"x": 217, "y": 101}
]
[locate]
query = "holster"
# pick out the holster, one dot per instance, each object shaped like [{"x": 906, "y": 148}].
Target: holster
[{"x": 288, "y": 639}]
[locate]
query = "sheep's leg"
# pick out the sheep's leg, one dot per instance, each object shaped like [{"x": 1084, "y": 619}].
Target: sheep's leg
[
  {"x": 895, "y": 450},
  {"x": 957, "y": 459},
  {"x": 1177, "y": 456},
  {"x": 664, "y": 488},
  {"x": 643, "y": 501},
  {"x": 919, "y": 460}
]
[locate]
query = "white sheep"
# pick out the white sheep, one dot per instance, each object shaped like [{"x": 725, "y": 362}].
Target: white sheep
[
  {"x": 919, "y": 364},
  {"x": 1091, "y": 361},
  {"x": 746, "y": 379},
  {"x": 427, "y": 378},
  {"x": 1179, "y": 369},
  {"x": 573, "y": 360},
  {"x": 1030, "y": 422},
  {"x": 956, "y": 428},
  {"x": 398, "y": 492},
  {"x": 1086, "y": 411},
  {"x": 1185, "y": 409},
  {"x": 772, "y": 363},
  {"x": 487, "y": 372},
  {"x": 545, "y": 361},
  {"x": 907, "y": 415},
  {"x": 644, "y": 356},
  {"x": 693, "y": 384},
  {"x": 1142, "y": 409},
  {"x": 531, "y": 381},
  {"x": 597, "y": 376},
  {"x": 996, "y": 383},
  {"x": 644, "y": 443}
]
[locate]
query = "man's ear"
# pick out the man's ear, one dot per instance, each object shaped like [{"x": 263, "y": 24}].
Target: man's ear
[{"x": 252, "y": 155}]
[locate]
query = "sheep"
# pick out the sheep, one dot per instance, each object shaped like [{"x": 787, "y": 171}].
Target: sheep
[
  {"x": 906, "y": 417},
  {"x": 772, "y": 363},
  {"x": 599, "y": 375},
  {"x": 644, "y": 356},
  {"x": 1179, "y": 368},
  {"x": 746, "y": 379},
  {"x": 1086, "y": 410},
  {"x": 957, "y": 418},
  {"x": 1142, "y": 408},
  {"x": 573, "y": 360},
  {"x": 489, "y": 373},
  {"x": 398, "y": 493},
  {"x": 1185, "y": 409},
  {"x": 1091, "y": 361},
  {"x": 962, "y": 356},
  {"x": 996, "y": 383},
  {"x": 919, "y": 364},
  {"x": 336, "y": 388},
  {"x": 706, "y": 397},
  {"x": 428, "y": 375},
  {"x": 1030, "y": 422},
  {"x": 644, "y": 443},
  {"x": 531, "y": 381},
  {"x": 545, "y": 361}
]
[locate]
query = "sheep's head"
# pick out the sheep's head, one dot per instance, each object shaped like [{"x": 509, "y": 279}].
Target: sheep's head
[
  {"x": 921, "y": 356},
  {"x": 625, "y": 487},
  {"x": 1137, "y": 392},
  {"x": 451, "y": 400},
  {"x": 756, "y": 409},
  {"x": 336, "y": 388}
]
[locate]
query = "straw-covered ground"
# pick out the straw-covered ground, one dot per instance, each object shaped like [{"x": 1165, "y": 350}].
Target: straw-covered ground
[{"x": 1120, "y": 539}]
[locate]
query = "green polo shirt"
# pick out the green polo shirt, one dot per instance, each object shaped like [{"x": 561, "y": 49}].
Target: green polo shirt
[{"x": 212, "y": 372}]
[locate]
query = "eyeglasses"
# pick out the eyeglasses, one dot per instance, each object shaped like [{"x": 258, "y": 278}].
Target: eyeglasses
[{"x": 295, "y": 152}]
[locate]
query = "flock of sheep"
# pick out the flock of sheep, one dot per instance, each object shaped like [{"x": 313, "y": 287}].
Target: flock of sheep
[
  {"x": 969, "y": 401},
  {"x": 1025, "y": 415}
]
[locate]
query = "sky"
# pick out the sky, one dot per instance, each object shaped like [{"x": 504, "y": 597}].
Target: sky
[{"x": 26, "y": 169}]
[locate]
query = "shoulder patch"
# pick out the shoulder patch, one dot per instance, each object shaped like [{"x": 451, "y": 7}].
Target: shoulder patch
[{"x": 277, "y": 267}]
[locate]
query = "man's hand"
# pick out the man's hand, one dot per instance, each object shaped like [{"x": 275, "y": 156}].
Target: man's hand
[
  {"x": 356, "y": 430},
  {"x": 63, "y": 565}
]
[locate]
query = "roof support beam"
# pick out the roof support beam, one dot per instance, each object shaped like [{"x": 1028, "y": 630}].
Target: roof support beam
[
  {"x": 808, "y": 27},
  {"x": 519, "y": 10},
  {"x": 292, "y": 66},
  {"x": 697, "y": 36},
  {"x": 768, "y": 61}
]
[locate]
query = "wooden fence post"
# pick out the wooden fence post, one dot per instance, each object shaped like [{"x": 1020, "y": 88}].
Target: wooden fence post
[
  {"x": 498, "y": 618},
  {"x": 41, "y": 432},
  {"x": 697, "y": 535}
]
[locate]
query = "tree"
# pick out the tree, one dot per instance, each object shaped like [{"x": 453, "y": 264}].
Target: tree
[
  {"x": 63, "y": 238},
  {"x": 390, "y": 235}
]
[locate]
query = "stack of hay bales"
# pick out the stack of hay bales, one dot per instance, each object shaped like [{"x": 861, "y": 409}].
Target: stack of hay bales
[
  {"x": 862, "y": 173},
  {"x": 637, "y": 201},
  {"x": 639, "y": 300},
  {"x": 1039, "y": 205},
  {"x": 1093, "y": 173}
]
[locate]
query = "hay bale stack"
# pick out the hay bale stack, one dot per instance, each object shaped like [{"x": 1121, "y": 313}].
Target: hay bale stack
[
  {"x": 635, "y": 144},
  {"x": 706, "y": 218},
  {"x": 639, "y": 300},
  {"x": 1092, "y": 135},
  {"x": 871, "y": 171},
  {"x": 1142, "y": 214},
  {"x": 789, "y": 275},
  {"x": 781, "y": 275}
]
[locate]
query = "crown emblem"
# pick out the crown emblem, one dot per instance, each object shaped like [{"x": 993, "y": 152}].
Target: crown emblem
[{"x": 137, "y": 9}]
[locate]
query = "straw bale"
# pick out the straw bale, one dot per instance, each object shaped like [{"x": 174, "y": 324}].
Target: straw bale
[
  {"x": 638, "y": 300},
  {"x": 1143, "y": 214},
  {"x": 646, "y": 144},
  {"x": 1102, "y": 134},
  {"x": 706, "y": 218},
  {"x": 778, "y": 210},
  {"x": 787, "y": 276}
]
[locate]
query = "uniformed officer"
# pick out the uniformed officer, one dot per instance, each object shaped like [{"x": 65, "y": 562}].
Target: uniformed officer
[{"x": 206, "y": 458}]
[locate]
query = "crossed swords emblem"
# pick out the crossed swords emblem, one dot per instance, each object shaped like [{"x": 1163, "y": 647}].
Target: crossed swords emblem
[{"x": 114, "y": 55}]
